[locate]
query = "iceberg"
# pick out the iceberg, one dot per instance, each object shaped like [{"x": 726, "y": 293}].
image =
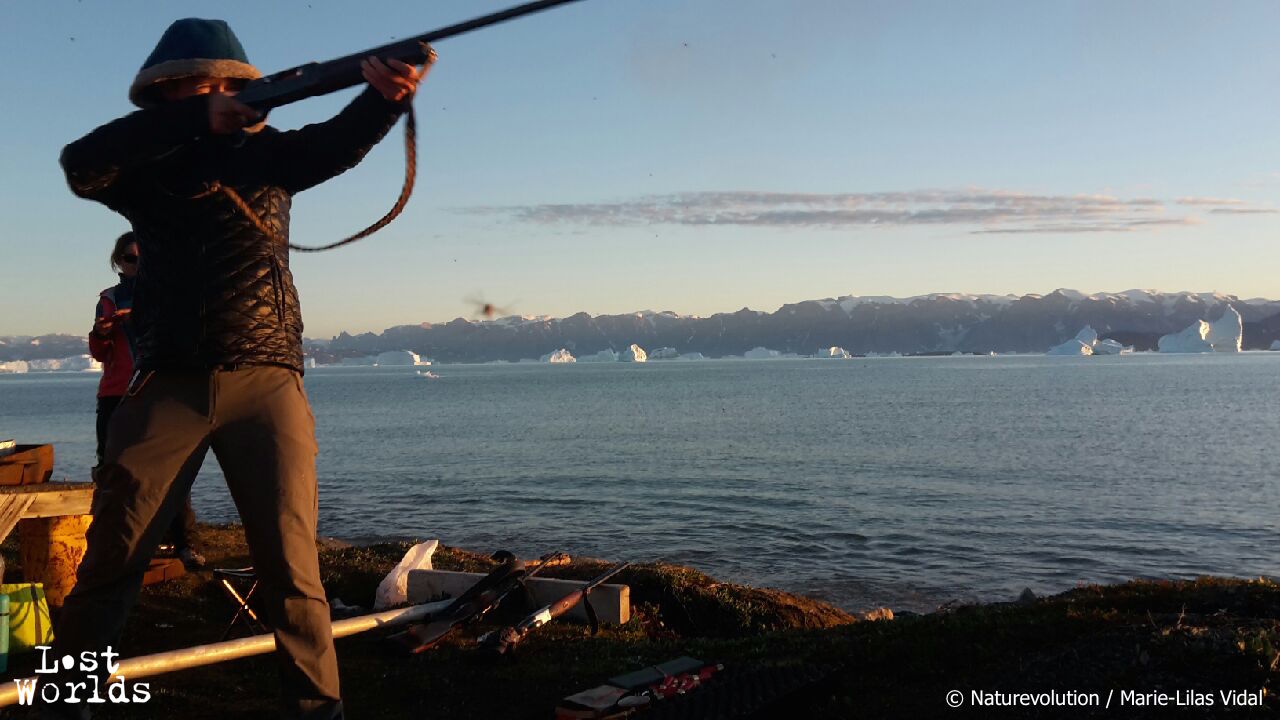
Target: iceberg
[
  {"x": 1227, "y": 332},
  {"x": 1190, "y": 340},
  {"x": 75, "y": 363},
  {"x": 761, "y": 353},
  {"x": 559, "y": 356},
  {"x": 664, "y": 353},
  {"x": 400, "y": 358},
  {"x": 1086, "y": 342},
  {"x": 1112, "y": 347},
  {"x": 14, "y": 366},
  {"x": 81, "y": 363},
  {"x": 605, "y": 355},
  {"x": 1275, "y": 344},
  {"x": 1080, "y": 345},
  {"x": 691, "y": 356},
  {"x": 837, "y": 353},
  {"x": 635, "y": 353},
  {"x": 1223, "y": 335}
]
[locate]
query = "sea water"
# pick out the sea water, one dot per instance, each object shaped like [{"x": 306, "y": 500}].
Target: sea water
[{"x": 902, "y": 482}]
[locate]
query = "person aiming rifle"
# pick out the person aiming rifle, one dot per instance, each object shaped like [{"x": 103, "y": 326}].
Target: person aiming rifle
[{"x": 219, "y": 338}]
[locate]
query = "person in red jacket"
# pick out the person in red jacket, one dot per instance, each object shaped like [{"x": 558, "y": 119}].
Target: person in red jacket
[{"x": 112, "y": 343}]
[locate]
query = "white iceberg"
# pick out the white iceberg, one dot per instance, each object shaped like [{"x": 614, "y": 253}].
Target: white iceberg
[
  {"x": 1071, "y": 347},
  {"x": 1080, "y": 345},
  {"x": 837, "y": 353},
  {"x": 1112, "y": 347},
  {"x": 80, "y": 363},
  {"x": 605, "y": 355},
  {"x": 14, "y": 366},
  {"x": 1190, "y": 340},
  {"x": 1227, "y": 332},
  {"x": 1086, "y": 342},
  {"x": 400, "y": 358},
  {"x": 1223, "y": 335},
  {"x": 1275, "y": 344},
  {"x": 691, "y": 356},
  {"x": 560, "y": 356},
  {"x": 761, "y": 353},
  {"x": 75, "y": 363},
  {"x": 664, "y": 353},
  {"x": 635, "y": 353}
]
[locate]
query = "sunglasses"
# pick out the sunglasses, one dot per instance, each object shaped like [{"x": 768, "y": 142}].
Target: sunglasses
[{"x": 129, "y": 258}]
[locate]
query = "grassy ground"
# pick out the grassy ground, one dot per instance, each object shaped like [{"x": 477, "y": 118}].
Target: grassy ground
[{"x": 1208, "y": 635}]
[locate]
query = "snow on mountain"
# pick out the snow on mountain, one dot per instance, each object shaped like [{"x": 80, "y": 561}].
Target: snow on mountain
[{"x": 937, "y": 323}]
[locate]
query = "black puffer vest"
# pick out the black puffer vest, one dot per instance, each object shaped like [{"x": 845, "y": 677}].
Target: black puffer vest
[{"x": 212, "y": 289}]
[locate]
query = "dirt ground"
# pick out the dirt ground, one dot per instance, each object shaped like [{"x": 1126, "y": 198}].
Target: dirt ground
[{"x": 784, "y": 656}]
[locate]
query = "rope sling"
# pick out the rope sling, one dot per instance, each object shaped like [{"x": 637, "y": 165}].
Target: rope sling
[{"x": 410, "y": 173}]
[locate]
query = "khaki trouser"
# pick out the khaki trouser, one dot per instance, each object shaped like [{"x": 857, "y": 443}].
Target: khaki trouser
[{"x": 259, "y": 425}]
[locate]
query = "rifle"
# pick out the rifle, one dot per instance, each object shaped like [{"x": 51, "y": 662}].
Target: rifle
[
  {"x": 504, "y": 641},
  {"x": 319, "y": 78},
  {"x": 471, "y": 605}
]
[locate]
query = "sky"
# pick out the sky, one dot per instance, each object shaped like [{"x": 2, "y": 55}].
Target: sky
[{"x": 700, "y": 156}]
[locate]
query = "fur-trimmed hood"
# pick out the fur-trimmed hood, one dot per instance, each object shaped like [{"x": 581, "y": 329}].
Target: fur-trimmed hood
[{"x": 192, "y": 48}]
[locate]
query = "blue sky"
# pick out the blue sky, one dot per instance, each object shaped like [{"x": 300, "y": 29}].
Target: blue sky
[{"x": 705, "y": 155}]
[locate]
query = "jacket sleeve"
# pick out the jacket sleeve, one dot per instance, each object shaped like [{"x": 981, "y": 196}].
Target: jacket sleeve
[
  {"x": 300, "y": 159},
  {"x": 99, "y": 165},
  {"x": 99, "y": 346}
]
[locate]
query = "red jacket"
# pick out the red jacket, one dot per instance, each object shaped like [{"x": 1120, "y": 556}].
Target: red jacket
[{"x": 115, "y": 351}]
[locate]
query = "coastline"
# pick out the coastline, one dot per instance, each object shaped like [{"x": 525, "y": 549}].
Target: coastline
[{"x": 1205, "y": 636}]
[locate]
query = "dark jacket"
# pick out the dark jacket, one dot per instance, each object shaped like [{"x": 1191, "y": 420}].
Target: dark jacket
[{"x": 212, "y": 289}]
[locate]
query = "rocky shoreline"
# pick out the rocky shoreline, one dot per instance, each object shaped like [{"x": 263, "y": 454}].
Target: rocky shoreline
[{"x": 1145, "y": 638}]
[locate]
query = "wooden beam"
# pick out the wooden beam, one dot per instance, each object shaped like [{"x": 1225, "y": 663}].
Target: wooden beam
[
  {"x": 53, "y": 499},
  {"x": 12, "y": 509}
]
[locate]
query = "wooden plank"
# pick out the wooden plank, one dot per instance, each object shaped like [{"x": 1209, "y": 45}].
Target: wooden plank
[
  {"x": 12, "y": 509},
  {"x": 611, "y": 602},
  {"x": 53, "y": 499}
]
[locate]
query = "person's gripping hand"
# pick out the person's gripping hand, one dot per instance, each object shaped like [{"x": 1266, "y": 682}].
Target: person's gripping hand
[
  {"x": 395, "y": 80},
  {"x": 228, "y": 115}
]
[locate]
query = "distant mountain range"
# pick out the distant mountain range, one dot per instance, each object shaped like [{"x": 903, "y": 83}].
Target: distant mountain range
[{"x": 938, "y": 323}]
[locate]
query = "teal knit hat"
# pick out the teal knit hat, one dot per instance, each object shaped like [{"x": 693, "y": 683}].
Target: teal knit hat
[{"x": 192, "y": 48}]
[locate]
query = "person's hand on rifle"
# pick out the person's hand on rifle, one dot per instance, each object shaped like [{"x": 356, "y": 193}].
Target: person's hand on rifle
[
  {"x": 228, "y": 115},
  {"x": 394, "y": 80}
]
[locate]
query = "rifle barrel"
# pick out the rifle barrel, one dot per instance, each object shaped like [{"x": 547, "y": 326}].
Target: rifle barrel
[{"x": 313, "y": 79}]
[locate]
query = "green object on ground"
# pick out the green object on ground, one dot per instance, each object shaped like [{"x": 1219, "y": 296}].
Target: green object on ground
[
  {"x": 4, "y": 633},
  {"x": 29, "y": 624}
]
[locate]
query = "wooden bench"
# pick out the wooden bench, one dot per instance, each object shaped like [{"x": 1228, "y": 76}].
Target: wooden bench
[{"x": 51, "y": 499}]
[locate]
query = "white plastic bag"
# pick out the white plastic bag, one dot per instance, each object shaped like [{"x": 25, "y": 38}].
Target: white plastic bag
[{"x": 394, "y": 588}]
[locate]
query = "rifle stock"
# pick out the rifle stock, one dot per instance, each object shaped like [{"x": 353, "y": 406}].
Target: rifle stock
[{"x": 319, "y": 78}]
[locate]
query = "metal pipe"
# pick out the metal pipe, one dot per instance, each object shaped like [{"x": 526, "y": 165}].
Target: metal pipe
[{"x": 212, "y": 653}]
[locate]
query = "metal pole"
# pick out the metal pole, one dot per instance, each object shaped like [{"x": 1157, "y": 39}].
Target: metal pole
[{"x": 200, "y": 655}]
